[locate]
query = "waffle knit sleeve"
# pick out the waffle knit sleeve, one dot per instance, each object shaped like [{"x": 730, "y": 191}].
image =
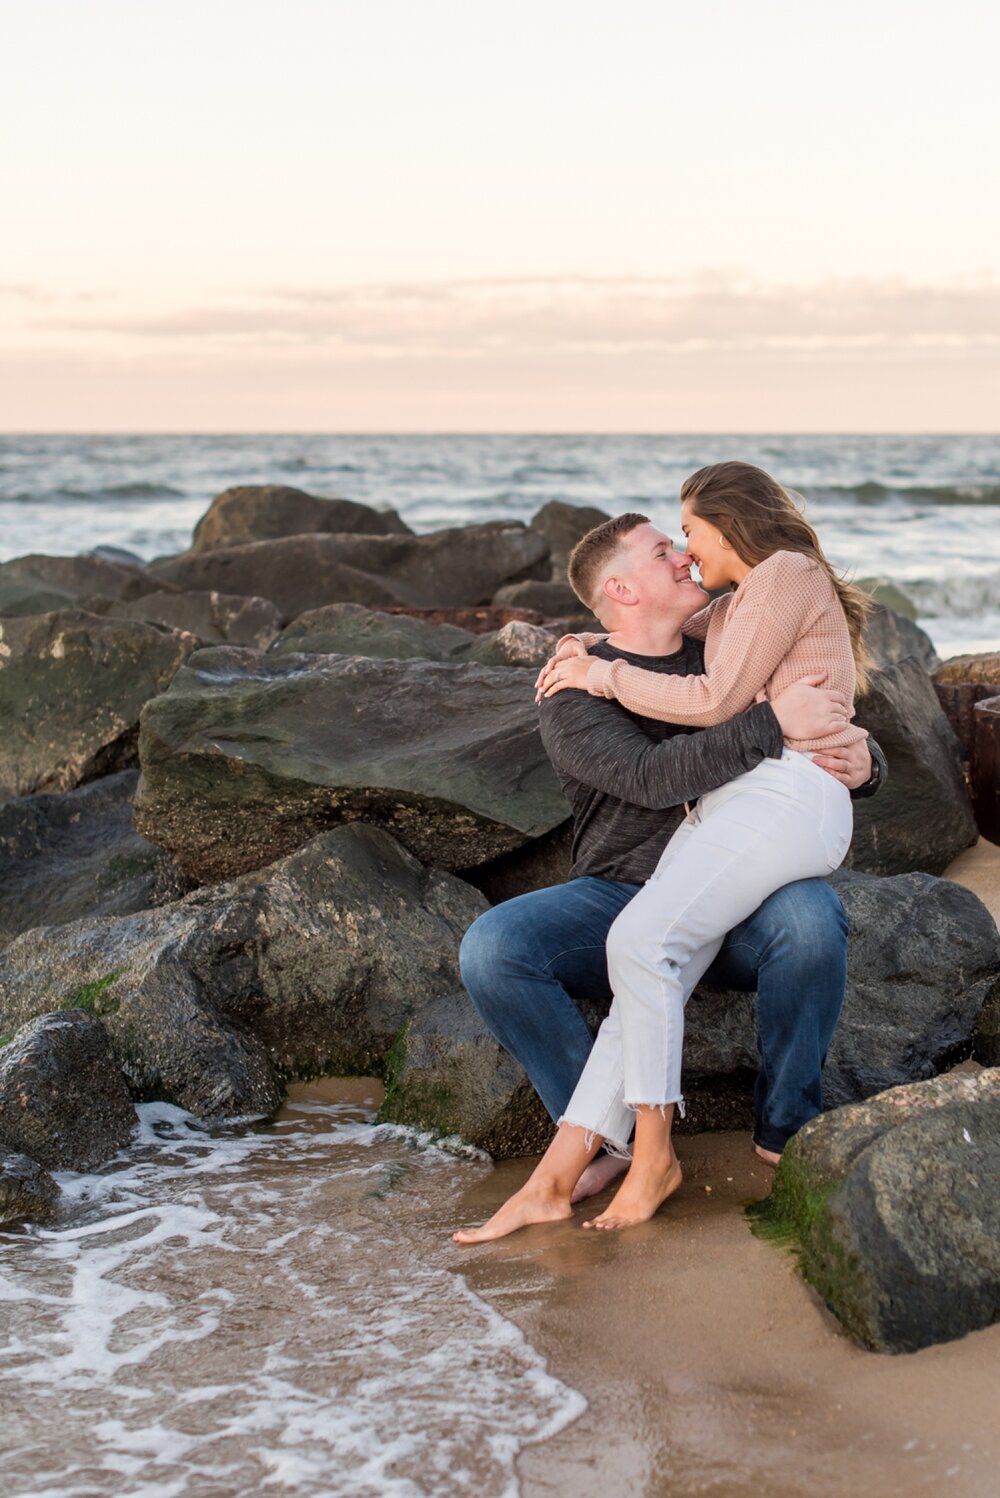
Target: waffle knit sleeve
[{"x": 772, "y": 606}]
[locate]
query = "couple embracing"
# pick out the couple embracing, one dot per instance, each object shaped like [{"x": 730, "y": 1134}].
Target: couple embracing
[{"x": 709, "y": 756}]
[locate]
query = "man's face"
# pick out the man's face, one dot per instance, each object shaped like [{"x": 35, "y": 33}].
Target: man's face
[{"x": 657, "y": 574}]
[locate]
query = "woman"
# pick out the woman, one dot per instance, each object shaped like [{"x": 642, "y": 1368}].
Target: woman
[{"x": 788, "y": 617}]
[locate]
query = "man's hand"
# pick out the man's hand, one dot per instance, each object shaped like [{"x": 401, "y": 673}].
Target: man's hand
[
  {"x": 808, "y": 710},
  {"x": 852, "y": 765}
]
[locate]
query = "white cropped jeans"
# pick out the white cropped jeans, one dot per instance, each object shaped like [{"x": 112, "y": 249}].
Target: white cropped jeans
[{"x": 785, "y": 820}]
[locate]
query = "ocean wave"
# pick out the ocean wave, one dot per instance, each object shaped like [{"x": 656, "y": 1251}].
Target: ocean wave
[
  {"x": 954, "y": 597},
  {"x": 872, "y": 492}
]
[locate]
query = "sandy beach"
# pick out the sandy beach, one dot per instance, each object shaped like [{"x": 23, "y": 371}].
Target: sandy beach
[{"x": 709, "y": 1365}]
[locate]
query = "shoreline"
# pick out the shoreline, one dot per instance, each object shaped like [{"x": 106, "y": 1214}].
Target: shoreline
[{"x": 710, "y": 1367}]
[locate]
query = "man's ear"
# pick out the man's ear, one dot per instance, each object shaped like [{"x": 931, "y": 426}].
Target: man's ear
[{"x": 618, "y": 591}]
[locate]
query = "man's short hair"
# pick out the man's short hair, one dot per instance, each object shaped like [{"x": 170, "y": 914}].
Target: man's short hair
[{"x": 592, "y": 553}]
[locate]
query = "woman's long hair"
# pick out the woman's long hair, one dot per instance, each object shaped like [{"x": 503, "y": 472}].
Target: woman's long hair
[{"x": 758, "y": 517}]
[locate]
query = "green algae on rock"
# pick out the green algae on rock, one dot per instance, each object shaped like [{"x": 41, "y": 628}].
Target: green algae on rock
[{"x": 892, "y": 1209}]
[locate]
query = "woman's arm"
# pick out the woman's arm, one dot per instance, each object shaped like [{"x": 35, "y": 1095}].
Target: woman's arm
[{"x": 764, "y": 621}]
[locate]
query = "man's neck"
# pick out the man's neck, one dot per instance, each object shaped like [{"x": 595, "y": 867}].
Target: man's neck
[{"x": 648, "y": 636}]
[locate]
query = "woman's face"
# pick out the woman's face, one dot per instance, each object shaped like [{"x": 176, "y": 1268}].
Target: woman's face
[{"x": 713, "y": 560}]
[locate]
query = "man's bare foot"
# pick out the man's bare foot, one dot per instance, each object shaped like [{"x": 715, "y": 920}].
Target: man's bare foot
[
  {"x": 598, "y": 1174},
  {"x": 533, "y": 1203},
  {"x": 769, "y": 1155},
  {"x": 643, "y": 1192}
]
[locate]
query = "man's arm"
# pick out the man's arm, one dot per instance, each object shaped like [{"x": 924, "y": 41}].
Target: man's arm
[{"x": 593, "y": 740}]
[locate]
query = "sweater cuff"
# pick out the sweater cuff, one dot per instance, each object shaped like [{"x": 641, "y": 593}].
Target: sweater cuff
[{"x": 597, "y": 677}]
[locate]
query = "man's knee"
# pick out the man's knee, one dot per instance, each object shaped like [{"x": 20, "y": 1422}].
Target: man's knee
[
  {"x": 805, "y": 922},
  {"x": 481, "y": 951}
]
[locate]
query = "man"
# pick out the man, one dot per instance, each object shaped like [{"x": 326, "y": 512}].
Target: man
[{"x": 530, "y": 963}]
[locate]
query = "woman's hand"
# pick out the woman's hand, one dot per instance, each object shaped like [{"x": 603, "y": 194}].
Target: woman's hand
[
  {"x": 569, "y": 649},
  {"x": 559, "y": 676}
]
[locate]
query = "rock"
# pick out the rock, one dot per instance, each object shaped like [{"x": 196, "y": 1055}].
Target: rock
[
  {"x": 311, "y": 966},
  {"x": 214, "y": 618},
  {"x": 249, "y": 755},
  {"x": 891, "y": 637},
  {"x": 893, "y": 1208},
  {"x": 889, "y": 596},
  {"x": 551, "y": 600},
  {"x": 77, "y": 854},
  {"x": 563, "y": 525},
  {"x": 26, "y": 1190},
  {"x": 516, "y": 644},
  {"x": 71, "y": 687},
  {"x": 265, "y": 512},
  {"x": 922, "y": 818},
  {"x": 481, "y": 621},
  {"x": 38, "y": 584},
  {"x": 464, "y": 566},
  {"x": 924, "y": 958},
  {"x": 352, "y": 629},
  {"x": 62, "y": 1099},
  {"x": 537, "y": 865},
  {"x": 448, "y": 1074}
]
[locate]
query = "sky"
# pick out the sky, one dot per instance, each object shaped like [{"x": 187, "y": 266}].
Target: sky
[{"x": 461, "y": 215}]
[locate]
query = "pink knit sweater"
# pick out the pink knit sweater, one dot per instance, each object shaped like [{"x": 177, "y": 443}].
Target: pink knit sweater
[{"x": 783, "y": 622}]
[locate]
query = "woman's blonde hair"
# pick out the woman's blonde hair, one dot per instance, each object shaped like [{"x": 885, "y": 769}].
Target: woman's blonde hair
[{"x": 758, "y": 517}]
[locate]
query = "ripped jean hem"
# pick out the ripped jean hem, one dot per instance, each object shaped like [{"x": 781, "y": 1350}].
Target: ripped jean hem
[
  {"x": 611, "y": 1146},
  {"x": 670, "y": 1102}
]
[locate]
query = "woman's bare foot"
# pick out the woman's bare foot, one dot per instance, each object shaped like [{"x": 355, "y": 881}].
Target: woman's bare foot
[
  {"x": 533, "y": 1203},
  {"x": 769, "y": 1155},
  {"x": 643, "y": 1192},
  {"x": 598, "y": 1175}
]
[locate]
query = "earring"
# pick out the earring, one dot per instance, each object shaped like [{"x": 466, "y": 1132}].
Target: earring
[{"x": 723, "y": 542}]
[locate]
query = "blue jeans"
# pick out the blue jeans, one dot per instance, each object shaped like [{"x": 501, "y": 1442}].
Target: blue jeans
[{"x": 530, "y": 963}]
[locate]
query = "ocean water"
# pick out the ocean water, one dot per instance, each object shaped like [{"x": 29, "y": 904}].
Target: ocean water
[
  {"x": 266, "y": 1309},
  {"x": 922, "y": 511}
]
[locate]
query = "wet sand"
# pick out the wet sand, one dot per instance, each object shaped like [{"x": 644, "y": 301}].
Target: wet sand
[{"x": 711, "y": 1368}]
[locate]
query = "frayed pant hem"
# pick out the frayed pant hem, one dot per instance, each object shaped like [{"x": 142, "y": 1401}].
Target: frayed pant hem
[
  {"x": 675, "y": 1102},
  {"x": 611, "y": 1146}
]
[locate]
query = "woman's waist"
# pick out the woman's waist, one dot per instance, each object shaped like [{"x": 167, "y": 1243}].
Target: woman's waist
[{"x": 851, "y": 733}]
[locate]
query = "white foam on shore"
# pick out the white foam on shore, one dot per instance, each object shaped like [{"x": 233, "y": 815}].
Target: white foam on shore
[{"x": 255, "y": 1311}]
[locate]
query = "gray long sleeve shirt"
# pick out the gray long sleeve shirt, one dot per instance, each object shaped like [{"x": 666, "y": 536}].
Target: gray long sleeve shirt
[{"x": 627, "y": 776}]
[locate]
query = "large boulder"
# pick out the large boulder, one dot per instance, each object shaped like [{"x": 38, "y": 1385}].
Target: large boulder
[
  {"x": 214, "y": 618},
  {"x": 263, "y": 512},
  {"x": 311, "y": 966},
  {"x": 77, "y": 854},
  {"x": 448, "y": 1074},
  {"x": 38, "y": 584},
  {"x": 924, "y": 957},
  {"x": 553, "y": 600},
  {"x": 893, "y": 1207},
  {"x": 922, "y": 818},
  {"x": 71, "y": 689},
  {"x": 63, "y": 1101},
  {"x": 248, "y": 756},
  {"x": 891, "y": 637},
  {"x": 351, "y": 629},
  {"x": 563, "y": 525},
  {"x": 26, "y": 1190},
  {"x": 447, "y": 568}
]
